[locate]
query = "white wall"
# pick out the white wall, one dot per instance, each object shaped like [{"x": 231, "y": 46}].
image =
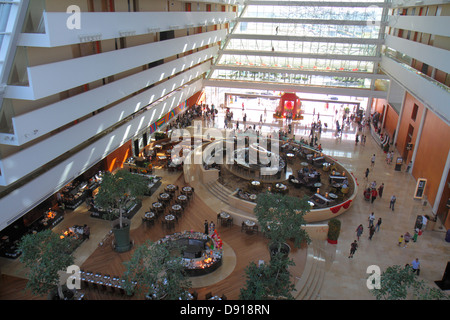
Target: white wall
[
  {"x": 36, "y": 123},
  {"x": 25, "y": 161},
  {"x": 52, "y": 78},
  {"x": 111, "y": 25},
  {"x": 433, "y": 56},
  {"x": 432, "y": 95},
  {"x": 22, "y": 199}
]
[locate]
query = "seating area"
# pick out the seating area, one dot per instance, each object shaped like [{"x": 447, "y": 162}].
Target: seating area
[
  {"x": 104, "y": 283},
  {"x": 170, "y": 207}
]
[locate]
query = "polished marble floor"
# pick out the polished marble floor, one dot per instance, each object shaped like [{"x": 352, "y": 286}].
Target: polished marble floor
[{"x": 345, "y": 278}]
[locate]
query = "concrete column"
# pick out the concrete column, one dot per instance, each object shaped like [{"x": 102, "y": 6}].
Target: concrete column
[
  {"x": 399, "y": 119},
  {"x": 444, "y": 175},
  {"x": 419, "y": 134}
]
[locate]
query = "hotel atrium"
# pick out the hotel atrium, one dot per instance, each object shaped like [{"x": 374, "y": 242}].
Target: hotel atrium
[{"x": 87, "y": 85}]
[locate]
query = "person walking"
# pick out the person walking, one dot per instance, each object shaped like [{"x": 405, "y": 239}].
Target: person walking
[
  {"x": 359, "y": 231},
  {"x": 392, "y": 202},
  {"x": 371, "y": 232},
  {"x": 400, "y": 240},
  {"x": 416, "y": 266},
  {"x": 353, "y": 247},
  {"x": 377, "y": 227},
  {"x": 371, "y": 219},
  {"x": 406, "y": 238},
  {"x": 372, "y": 161},
  {"x": 367, "y": 173},
  {"x": 380, "y": 190},
  {"x": 374, "y": 195}
]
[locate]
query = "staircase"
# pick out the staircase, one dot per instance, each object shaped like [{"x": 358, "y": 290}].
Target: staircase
[
  {"x": 219, "y": 191},
  {"x": 309, "y": 285}
]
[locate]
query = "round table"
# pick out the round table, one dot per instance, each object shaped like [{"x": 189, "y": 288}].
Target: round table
[
  {"x": 171, "y": 187},
  {"x": 250, "y": 223},
  {"x": 305, "y": 164},
  {"x": 157, "y": 205},
  {"x": 317, "y": 185},
  {"x": 311, "y": 203},
  {"x": 149, "y": 215},
  {"x": 164, "y": 196},
  {"x": 252, "y": 197},
  {"x": 290, "y": 155},
  {"x": 182, "y": 198},
  {"x": 333, "y": 196},
  {"x": 224, "y": 215},
  {"x": 169, "y": 217},
  {"x": 256, "y": 183},
  {"x": 187, "y": 189},
  {"x": 176, "y": 207}
]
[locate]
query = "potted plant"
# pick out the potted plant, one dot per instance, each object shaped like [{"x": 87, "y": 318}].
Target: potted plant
[
  {"x": 115, "y": 192},
  {"x": 46, "y": 254},
  {"x": 157, "y": 271},
  {"x": 281, "y": 218},
  {"x": 399, "y": 283},
  {"x": 334, "y": 229},
  {"x": 269, "y": 281}
]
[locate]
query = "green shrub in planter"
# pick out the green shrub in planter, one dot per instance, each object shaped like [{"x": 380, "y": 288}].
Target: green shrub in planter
[{"x": 334, "y": 229}]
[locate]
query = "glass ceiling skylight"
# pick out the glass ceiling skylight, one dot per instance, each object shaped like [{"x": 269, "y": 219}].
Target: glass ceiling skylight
[{"x": 307, "y": 43}]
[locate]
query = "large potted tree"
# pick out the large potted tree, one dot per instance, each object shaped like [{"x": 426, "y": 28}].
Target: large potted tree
[
  {"x": 115, "y": 192},
  {"x": 46, "y": 254},
  {"x": 269, "y": 281},
  {"x": 334, "y": 230},
  {"x": 400, "y": 283},
  {"x": 156, "y": 270},
  {"x": 281, "y": 218}
]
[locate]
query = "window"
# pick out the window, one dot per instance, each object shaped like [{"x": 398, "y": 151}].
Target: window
[{"x": 414, "y": 112}]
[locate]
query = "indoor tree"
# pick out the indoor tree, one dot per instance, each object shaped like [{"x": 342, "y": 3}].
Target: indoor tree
[
  {"x": 45, "y": 254},
  {"x": 115, "y": 191},
  {"x": 281, "y": 218},
  {"x": 157, "y": 271},
  {"x": 269, "y": 281},
  {"x": 400, "y": 283}
]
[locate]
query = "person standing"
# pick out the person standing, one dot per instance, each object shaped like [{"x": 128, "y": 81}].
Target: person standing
[
  {"x": 400, "y": 240},
  {"x": 424, "y": 223},
  {"x": 377, "y": 227},
  {"x": 371, "y": 219},
  {"x": 359, "y": 231},
  {"x": 371, "y": 232},
  {"x": 374, "y": 194},
  {"x": 392, "y": 203},
  {"x": 416, "y": 266},
  {"x": 206, "y": 227},
  {"x": 86, "y": 232},
  {"x": 372, "y": 161},
  {"x": 380, "y": 190},
  {"x": 353, "y": 248},
  {"x": 406, "y": 238},
  {"x": 367, "y": 173}
]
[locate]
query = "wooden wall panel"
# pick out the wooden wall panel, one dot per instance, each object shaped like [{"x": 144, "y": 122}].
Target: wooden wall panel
[
  {"x": 405, "y": 122},
  {"x": 432, "y": 154},
  {"x": 116, "y": 159},
  {"x": 390, "y": 124}
]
